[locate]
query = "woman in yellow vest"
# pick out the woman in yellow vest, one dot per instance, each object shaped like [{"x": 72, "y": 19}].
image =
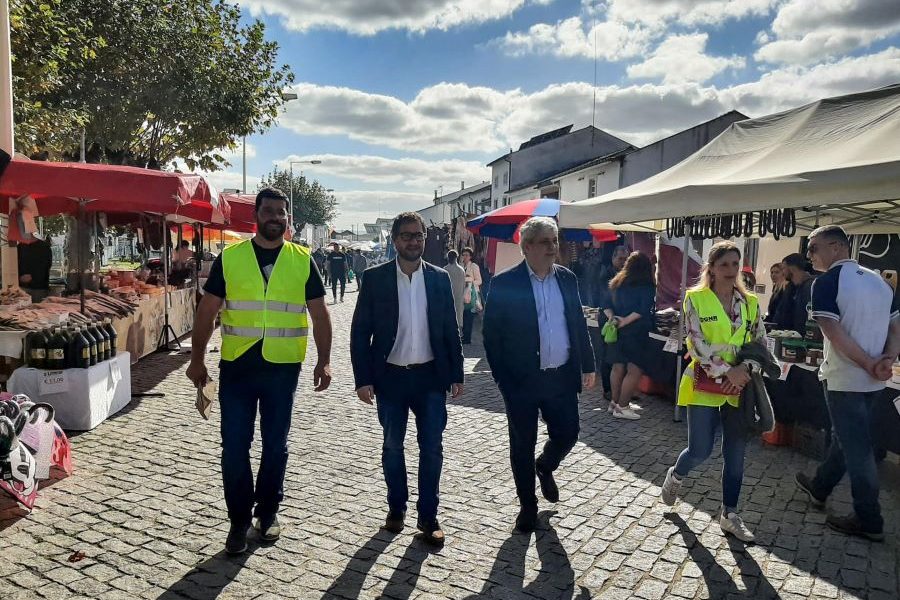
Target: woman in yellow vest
[{"x": 720, "y": 317}]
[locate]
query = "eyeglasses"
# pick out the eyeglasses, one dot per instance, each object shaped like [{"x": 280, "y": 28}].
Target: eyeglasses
[
  {"x": 813, "y": 248},
  {"x": 547, "y": 243},
  {"x": 408, "y": 236}
]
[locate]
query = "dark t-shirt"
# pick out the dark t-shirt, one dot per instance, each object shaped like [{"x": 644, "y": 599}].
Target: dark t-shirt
[
  {"x": 337, "y": 264},
  {"x": 638, "y": 299},
  {"x": 266, "y": 258}
]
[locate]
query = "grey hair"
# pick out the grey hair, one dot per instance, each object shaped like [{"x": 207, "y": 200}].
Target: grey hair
[{"x": 534, "y": 227}]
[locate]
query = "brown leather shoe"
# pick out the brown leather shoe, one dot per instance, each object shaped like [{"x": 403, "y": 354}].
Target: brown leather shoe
[
  {"x": 395, "y": 521},
  {"x": 432, "y": 534}
]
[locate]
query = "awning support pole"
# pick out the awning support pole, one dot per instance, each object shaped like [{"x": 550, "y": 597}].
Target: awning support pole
[{"x": 688, "y": 230}]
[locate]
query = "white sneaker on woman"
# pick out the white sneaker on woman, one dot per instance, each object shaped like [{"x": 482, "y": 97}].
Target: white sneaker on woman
[
  {"x": 731, "y": 523},
  {"x": 670, "y": 487},
  {"x": 611, "y": 407},
  {"x": 625, "y": 413}
]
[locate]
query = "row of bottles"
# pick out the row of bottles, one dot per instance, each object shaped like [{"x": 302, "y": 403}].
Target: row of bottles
[{"x": 73, "y": 346}]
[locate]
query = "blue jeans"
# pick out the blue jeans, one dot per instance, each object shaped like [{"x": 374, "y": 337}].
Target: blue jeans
[
  {"x": 851, "y": 452},
  {"x": 703, "y": 422},
  {"x": 272, "y": 387},
  {"x": 402, "y": 392}
]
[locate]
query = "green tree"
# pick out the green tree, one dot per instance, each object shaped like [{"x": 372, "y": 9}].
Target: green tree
[
  {"x": 162, "y": 81},
  {"x": 313, "y": 204}
]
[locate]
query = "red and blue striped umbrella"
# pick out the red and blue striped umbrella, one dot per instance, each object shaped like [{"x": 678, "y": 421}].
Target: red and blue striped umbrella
[{"x": 504, "y": 222}]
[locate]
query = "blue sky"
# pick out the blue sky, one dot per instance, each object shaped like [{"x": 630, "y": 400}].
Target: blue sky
[{"x": 400, "y": 97}]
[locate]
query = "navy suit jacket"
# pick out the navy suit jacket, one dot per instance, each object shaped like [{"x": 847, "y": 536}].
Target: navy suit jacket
[
  {"x": 511, "y": 335},
  {"x": 376, "y": 317}
]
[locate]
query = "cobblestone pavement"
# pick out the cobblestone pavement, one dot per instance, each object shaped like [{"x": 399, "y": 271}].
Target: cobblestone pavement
[{"x": 145, "y": 508}]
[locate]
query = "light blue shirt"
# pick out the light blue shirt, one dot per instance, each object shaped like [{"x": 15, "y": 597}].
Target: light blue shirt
[{"x": 551, "y": 313}]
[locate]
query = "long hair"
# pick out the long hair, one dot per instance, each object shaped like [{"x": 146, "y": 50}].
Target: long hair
[
  {"x": 715, "y": 254},
  {"x": 783, "y": 284},
  {"x": 638, "y": 270}
]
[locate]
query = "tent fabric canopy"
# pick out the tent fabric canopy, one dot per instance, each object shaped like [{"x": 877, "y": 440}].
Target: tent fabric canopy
[{"x": 836, "y": 160}]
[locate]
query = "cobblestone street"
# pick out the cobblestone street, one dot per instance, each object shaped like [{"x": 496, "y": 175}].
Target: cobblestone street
[{"x": 145, "y": 507}]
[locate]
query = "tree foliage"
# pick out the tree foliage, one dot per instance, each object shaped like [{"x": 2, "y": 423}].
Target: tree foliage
[
  {"x": 150, "y": 81},
  {"x": 313, "y": 204}
]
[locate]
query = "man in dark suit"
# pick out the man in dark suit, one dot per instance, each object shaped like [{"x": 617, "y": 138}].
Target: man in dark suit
[
  {"x": 406, "y": 351},
  {"x": 540, "y": 354}
]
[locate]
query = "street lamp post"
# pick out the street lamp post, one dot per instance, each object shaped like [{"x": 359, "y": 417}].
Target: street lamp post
[
  {"x": 291, "y": 175},
  {"x": 287, "y": 97}
]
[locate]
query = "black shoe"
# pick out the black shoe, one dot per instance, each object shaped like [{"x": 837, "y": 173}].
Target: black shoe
[
  {"x": 851, "y": 526},
  {"x": 236, "y": 542},
  {"x": 549, "y": 488},
  {"x": 268, "y": 528},
  {"x": 395, "y": 521},
  {"x": 527, "y": 519},
  {"x": 806, "y": 485},
  {"x": 432, "y": 534}
]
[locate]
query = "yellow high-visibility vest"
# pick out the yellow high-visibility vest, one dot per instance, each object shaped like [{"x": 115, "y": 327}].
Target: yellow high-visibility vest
[
  {"x": 716, "y": 327},
  {"x": 274, "y": 313}
]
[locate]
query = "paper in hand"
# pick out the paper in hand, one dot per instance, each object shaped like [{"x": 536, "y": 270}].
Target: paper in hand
[{"x": 205, "y": 397}]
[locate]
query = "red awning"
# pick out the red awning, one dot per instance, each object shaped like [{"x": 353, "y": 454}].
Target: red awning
[{"x": 242, "y": 212}]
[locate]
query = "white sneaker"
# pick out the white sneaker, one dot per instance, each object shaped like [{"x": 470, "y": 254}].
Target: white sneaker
[
  {"x": 731, "y": 523},
  {"x": 631, "y": 405},
  {"x": 625, "y": 413},
  {"x": 670, "y": 487}
]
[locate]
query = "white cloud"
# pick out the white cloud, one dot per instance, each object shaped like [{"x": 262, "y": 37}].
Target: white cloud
[
  {"x": 370, "y": 17},
  {"x": 687, "y": 12},
  {"x": 412, "y": 173},
  {"x": 682, "y": 58},
  {"x": 806, "y": 31},
  {"x": 572, "y": 38},
  {"x": 229, "y": 180}
]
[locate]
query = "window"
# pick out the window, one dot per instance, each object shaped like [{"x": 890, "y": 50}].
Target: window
[
  {"x": 505, "y": 177},
  {"x": 496, "y": 180},
  {"x": 592, "y": 187}
]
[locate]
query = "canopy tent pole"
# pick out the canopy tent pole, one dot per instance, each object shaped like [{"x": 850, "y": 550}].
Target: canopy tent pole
[
  {"x": 163, "y": 342},
  {"x": 688, "y": 230},
  {"x": 79, "y": 228}
]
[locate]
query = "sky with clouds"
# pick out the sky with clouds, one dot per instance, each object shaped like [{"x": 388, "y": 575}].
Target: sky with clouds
[{"x": 398, "y": 98}]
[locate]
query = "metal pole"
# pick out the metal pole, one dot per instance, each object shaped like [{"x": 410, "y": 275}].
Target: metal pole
[
  {"x": 244, "y": 168},
  {"x": 8, "y": 254},
  {"x": 291, "y": 207},
  {"x": 79, "y": 227},
  {"x": 685, "y": 249}
]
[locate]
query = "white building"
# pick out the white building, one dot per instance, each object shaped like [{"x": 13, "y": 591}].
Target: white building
[{"x": 467, "y": 201}]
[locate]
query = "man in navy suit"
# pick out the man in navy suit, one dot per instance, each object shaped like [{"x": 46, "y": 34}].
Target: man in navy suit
[
  {"x": 406, "y": 352},
  {"x": 540, "y": 355}
]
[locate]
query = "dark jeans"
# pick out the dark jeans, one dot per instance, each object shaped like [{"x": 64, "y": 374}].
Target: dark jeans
[
  {"x": 403, "y": 391},
  {"x": 334, "y": 285},
  {"x": 703, "y": 423},
  {"x": 359, "y": 275},
  {"x": 272, "y": 387},
  {"x": 851, "y": 452},
  {"x": 553, "y": 396},
  {"x": 468, "y": 323}
]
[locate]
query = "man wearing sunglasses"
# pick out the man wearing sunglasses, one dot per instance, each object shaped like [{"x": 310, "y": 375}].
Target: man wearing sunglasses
[
  {"x": 859, "y": 317},
  {"x": 407, "y": 354}
]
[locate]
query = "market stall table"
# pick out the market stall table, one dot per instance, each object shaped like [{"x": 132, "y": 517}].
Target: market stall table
[{"x": 81, "y": 398}]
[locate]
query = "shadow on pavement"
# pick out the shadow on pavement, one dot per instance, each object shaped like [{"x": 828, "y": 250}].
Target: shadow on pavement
[
  {"x": 403, "y": 581},
  {"x": 718, "y": 579},
  {"x": 207, "y": 580},
  {"x": 350, "y": 582},
  {"x": 556, "y": 579}
]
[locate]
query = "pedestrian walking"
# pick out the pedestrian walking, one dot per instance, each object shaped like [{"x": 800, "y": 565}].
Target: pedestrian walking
[
  {"x": 620, "y": 253},
  {"x": 319, "y": 258},
  {"x": 406, "y": 355},
  {"x": 630, "y": 308},
  {"x": 540, "y": 354},
  {"x": 457, "y": 284},
  {"x": 360, "y": 264},
  {"x": 267, "y": 287},
  {"x": 860, "y": 320},
  {"x": 720, "y": 317},
  {"x": 472, "y": 294},
  {"x": 338, "y": 265}
]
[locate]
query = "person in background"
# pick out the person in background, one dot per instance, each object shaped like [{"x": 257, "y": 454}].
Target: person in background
[
  {"x": 795, "y": 313},
  {"x": 860, "y": 319},
  {"x": 457, "y": 284},
  {"x": 182, "y": 256},
  {"x": 360, "y": 264},
  {"x": 337, "y": 271},
  {"x": 539, "y": 350},
  {"x": 720, "y": 316},
  {"x": 619, "y": 255},
  {"x": 35, "y": 259},
  {"x": 749, "y": 278},
  {"x": 320, "y": 259},
  {"x": 779, "y": 285},
  {"x": 473, "y": 276},
  {"x": 633, "y": 296}
]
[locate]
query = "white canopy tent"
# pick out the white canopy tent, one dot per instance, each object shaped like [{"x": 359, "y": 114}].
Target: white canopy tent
[{"x": 835, "y": 161}]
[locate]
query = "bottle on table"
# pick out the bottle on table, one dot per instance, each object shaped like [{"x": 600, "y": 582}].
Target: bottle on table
[
  {"x": 104, "y": 338},
  {"x": 80, "y": 349},
  {"x": 36, "y": 348},
  {"x": 94, "y": 344},
  {"x": 56, "y": 350},
  {"x": 113, "y": 336}
]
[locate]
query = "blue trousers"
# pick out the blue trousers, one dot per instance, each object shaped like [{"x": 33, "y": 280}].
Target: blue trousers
[
  {"x": 401, "y": 392},
  {"x": 851, "y": 452},
  {"x": 703, "y": 423},
  {"x": 272, "y": 388}
]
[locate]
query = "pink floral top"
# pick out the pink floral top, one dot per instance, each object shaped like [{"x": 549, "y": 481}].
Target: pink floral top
[{"x": 710, "y": 355}]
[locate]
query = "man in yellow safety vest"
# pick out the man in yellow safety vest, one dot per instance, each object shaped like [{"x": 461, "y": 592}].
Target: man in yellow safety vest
[{"x": 267, "y": 289}]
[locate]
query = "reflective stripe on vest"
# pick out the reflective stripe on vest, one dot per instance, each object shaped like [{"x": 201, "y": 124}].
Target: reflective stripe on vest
[
  {"x": 265, "y": 305},
  {"x": 258, "y": 332}
]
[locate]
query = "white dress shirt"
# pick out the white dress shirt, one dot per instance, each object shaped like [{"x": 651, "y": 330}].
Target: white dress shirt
[
  {"x": 552, "y": 326},
  {"x": 413, "y": 343}
]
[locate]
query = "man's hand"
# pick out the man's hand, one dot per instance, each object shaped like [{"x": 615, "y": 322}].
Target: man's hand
[
  {"x": 197, "y": 373},
  {"x": 738, "y": 376},
  {"x": 456, "y": 390},
  {"x": 588, "y": 380},
  {"x": 25, "y": 278},
  {"x": 366, "y": 393},
  {"x": 322, "y": 377},
  {"x": 881, "y": 367}
]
